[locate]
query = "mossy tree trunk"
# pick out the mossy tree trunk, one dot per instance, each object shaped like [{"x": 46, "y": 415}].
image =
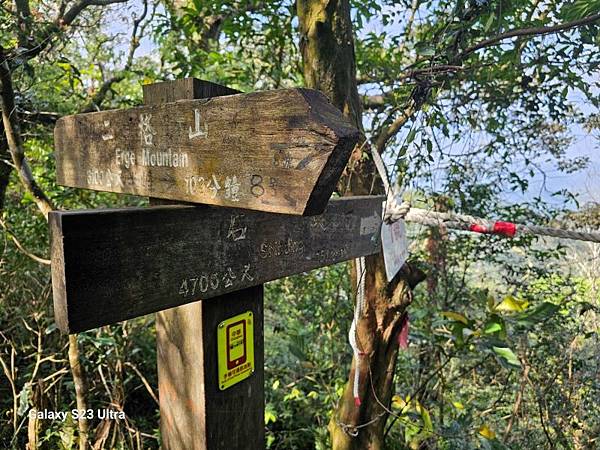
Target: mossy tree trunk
[{"x": 327, "y": 46}]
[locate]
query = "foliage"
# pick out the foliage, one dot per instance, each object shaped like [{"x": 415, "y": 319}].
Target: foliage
[
  {"x": 306, "y": 355},
  {"x": 504, "y": 334}
]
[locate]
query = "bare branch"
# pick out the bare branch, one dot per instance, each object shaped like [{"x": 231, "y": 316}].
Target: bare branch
[
  {"x": 21, "y": 247},
  {"x": 38, "y": 117},
  {"x": 61, "y": 22},
  {"x": 99, "y": 97},
  {"x": 381, "y": 100},
  {"x": 535, "y": 31},
  {"x": 79, "y": 379},
  {"x": 389, "y": 131}
]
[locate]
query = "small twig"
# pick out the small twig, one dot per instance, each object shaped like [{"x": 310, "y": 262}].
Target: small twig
[
  {"x": 144, "y": 381},
  {"x": 11, "y": 381},
  {"x": 21, "y": 247},
  {"x": 535, "y": 31}
]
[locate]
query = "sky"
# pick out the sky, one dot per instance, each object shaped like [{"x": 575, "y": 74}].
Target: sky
[{"x": 585, "y": 183}]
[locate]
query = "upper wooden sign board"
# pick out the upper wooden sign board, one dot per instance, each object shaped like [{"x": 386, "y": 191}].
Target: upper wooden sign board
[
  {"x": 278, "y": 151},
  {"x": 112, "y": 265}
]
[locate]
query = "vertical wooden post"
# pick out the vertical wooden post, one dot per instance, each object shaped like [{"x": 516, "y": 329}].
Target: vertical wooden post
[{"x": 194, "y": 413}]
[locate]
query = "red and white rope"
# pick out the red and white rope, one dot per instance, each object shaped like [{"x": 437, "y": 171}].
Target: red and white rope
[{"x": 394, "y": 211}]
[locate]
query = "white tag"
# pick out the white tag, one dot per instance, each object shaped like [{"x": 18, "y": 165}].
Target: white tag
[{"x": 395, "y": 247}]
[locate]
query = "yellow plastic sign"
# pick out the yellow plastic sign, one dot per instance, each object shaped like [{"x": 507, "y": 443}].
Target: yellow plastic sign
[{"x": 235, "y": 348}]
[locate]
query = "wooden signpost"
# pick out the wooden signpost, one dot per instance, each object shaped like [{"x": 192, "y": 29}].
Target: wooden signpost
[
  {"x": 279, "y": 151},
  {"x": 110, "y": 265}
]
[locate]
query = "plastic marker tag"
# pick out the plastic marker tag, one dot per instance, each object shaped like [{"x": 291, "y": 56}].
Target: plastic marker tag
[
  {"x": 235, "y": 345},
  {"x": 395, "y": 247}
]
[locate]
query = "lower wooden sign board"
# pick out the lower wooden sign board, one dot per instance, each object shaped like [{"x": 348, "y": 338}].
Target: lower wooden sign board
[{"x": 116, "y": 264}]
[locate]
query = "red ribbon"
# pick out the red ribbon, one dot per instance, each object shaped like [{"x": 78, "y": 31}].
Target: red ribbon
[
  {"x": 507, "y": 229},
  {"x": 403, "y": 335},
  {"x": 476, "y": 228}
]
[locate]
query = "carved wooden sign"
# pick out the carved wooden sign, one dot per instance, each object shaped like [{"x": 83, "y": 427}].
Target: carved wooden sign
[
  {"x": 278, "y": 151},
  {"x": 115, "y": 264}
]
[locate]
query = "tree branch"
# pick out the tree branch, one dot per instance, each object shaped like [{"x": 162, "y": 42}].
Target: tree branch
[
  {"x": 21, "y": 247},
  {"x": 389, "y": 131},
  {"x": 38, "y": 117},
  {"x": 59, "y": 24},
  {"x": 79, "y": 378},
  {"x": 535, "y": 31},
  {"x": 99, "y": 97},
  {"x": 23, "y": 19},
  {"x": 76, "y": 9},
  {"x": 15, "y": 143},
  {"x": 396, "y": 124},
  {"x": 381, "y": 100},
  {"x": 5, "y": 169}
]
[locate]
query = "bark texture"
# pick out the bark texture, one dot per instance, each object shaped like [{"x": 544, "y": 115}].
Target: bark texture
[
  {"x": 5, "y": 167},
  {"x": 14, "y": 140},
  {"x": 327, "y": 46}
]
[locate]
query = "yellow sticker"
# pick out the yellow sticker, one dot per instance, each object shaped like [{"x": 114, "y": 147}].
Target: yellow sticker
[{"x": 235, "y": 346}]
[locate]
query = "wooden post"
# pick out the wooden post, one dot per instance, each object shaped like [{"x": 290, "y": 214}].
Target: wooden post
[{"x": 194, "y": 413}]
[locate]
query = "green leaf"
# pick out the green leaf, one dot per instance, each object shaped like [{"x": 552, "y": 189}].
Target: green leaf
[
  {"x": 489, "y": 22},
  {"x": 426, "y": 418},
  {"x": 506, "y": 357},
  {"x": 457, "y": 317},
  {"x": 411, "y": 135},
  {"x": 492, "y": 327},
  {"x": 270, "y": 416},
  {"x": 540, "y": 314},
  {"x": 495, "y": 324},
  {"x": 511, "y": 304}
]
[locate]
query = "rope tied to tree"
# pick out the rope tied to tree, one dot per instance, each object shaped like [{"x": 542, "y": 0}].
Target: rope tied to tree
[{"x": 395, "y": 211}]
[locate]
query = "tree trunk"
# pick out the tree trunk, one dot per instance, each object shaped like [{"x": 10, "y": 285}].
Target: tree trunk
[
  {"x": 5, "y": 167},
  {"x": 327, "y": 46}
]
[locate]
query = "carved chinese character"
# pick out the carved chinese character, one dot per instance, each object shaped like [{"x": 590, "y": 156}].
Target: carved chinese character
[
  {"x": 146, "y": 129},
  {"x": 214, "y": 186},
  {"x": 232, "y": 189},
  {"x": 245, "y": 274},
  {"x": 197, "y": 131}
]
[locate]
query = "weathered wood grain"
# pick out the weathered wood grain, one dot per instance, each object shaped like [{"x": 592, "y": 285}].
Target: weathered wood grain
[
  {"x": 183, "y": 89},
  {"x": 112, "y": 265},
  {"x": 278, "y": 151},
  {"x": 194, "y": 413},
  {"x": 193, "y": 410}
]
